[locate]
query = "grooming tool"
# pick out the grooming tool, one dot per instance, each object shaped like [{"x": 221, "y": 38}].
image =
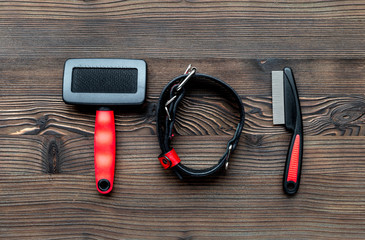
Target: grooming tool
[
  {"x": 104, "y": 82},
  {"x": 170, "y": 97},
  {"x": 286, "y": 110}
]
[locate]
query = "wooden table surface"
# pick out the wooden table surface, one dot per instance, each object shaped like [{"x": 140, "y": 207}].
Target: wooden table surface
[{"x": 47, "y": 188}]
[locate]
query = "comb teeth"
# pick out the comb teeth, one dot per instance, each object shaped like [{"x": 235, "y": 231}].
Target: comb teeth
[{"x": 278, "y": 111}]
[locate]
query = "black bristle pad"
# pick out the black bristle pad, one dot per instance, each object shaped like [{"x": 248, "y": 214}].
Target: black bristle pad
[{"x": 104, "y": 80}]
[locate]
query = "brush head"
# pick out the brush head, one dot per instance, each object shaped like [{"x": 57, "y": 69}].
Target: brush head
[
  {"x": 104, "y": 81},
  {"x": 278, "y": 106}
]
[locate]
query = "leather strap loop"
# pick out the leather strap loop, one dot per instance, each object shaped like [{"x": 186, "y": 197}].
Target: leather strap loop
[{"x": 166, "y": 114}]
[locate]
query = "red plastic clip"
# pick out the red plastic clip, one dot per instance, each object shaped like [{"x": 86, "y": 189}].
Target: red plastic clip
[{"x": 169, "y": 159}]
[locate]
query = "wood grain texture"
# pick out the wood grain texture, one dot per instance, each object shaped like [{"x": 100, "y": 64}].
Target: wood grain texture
[
  {"x": 337, "y": 115},
  {"x": 183, "y": 29},
  {"x": 46, "y": 158},
  {"x": 150, "y": 203},
  {"x": 47, "y": 186},
  {"x": 260, "y": 155},
  {"x": 42, "y": 77},
  {"x": 182, "y": 9}
]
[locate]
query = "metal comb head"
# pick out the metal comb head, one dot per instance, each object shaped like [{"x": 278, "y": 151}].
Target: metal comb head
[{"x": 278, "y": 106}]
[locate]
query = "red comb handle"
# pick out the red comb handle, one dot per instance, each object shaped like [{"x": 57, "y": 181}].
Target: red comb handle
[
  {"x": 104, "y": 150},
  {"x": 293, "y": 165}
]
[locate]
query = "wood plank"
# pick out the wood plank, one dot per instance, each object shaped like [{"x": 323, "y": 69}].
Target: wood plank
[
  {"x": 182, "y": 9},
  {"x": 150, "y": 203},
  {"x": 263, "y": 155},
  {"x": 340, "y": 115},
  {"x": 43, "y": 76},
  {"x": 52, "y": 214},
  {"x": 188, "y": 35}
]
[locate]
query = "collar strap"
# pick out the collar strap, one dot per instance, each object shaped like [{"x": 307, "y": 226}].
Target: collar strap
[{"x": 169, "y": 100}]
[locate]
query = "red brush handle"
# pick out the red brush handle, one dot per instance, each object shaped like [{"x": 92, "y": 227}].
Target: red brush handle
[{"x": 104, "y": 150}]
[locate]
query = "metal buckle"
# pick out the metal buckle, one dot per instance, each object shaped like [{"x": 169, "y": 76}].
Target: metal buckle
[
  {"x": 190, "y": 71},
  {"x": 167, "y": 104},
  {"x": 228, "y": 155}
]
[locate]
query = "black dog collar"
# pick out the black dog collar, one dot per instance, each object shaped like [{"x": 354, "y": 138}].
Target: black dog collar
[{"x": 169, "y": 100}]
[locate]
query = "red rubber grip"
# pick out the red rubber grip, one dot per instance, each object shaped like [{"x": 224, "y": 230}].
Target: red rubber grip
[
  {"x": 104, "y": 150},
  {"x": 294, "y": 161}
]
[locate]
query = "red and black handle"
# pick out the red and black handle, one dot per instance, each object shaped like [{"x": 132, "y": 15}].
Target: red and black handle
[
  {"x": 104, "y": 150},
  {"x": 293, "y": 122},
  {"x": 293, "y": 164}
]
